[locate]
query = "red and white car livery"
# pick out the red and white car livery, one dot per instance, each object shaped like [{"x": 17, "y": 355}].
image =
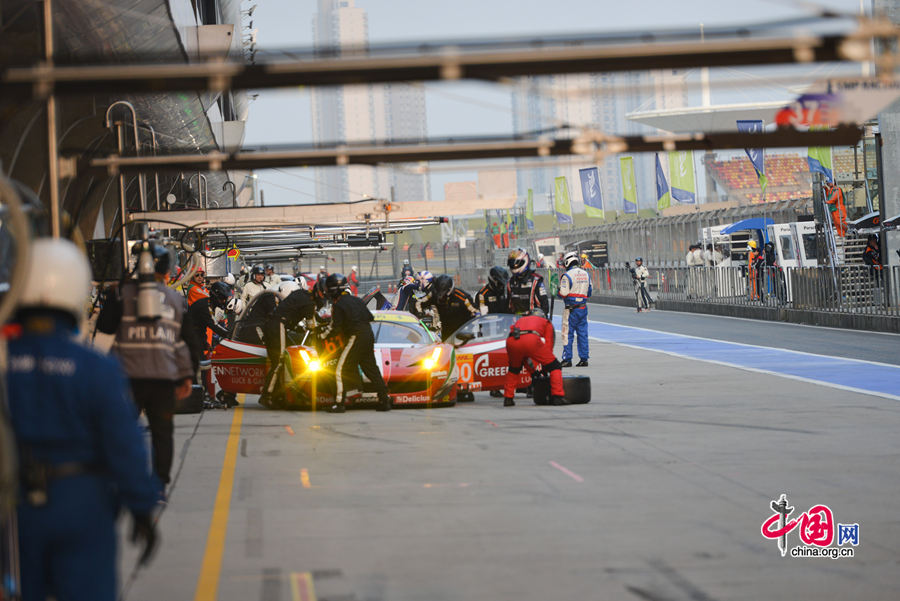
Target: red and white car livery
[
  {"x": 418, "y": 369},
  {"x": 481, "y": 354}
]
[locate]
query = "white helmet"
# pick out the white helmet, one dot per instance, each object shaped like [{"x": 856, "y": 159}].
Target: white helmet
[
  {"x": 353, "y": 268},
  {"x": 570, "y": 259},
  {"x": 59, "y": 277},
  {"x": 229, "y": 279},
  {"x": 235, "y": 305},
  {"x": 286, "y": 288}
]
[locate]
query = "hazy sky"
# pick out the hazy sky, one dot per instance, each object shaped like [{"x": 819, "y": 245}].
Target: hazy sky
[{"x": 472, "y": 108}]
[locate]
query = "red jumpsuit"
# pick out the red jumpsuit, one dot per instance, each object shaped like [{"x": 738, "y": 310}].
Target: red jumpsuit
[
  {"x": 539, "y": 348},
  {"x": 354, "y": 283}
]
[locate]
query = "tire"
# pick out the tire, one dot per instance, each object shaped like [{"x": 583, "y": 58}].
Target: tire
[
  {"x": 193, "y": 403},
  {"x": 465, "y": 396},
  {"x": 578, "y": 389}
]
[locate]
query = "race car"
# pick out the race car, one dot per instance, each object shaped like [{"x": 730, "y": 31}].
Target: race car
[
  {"x": 481, "y": 354},
  {"x": 418, "y": 369}
]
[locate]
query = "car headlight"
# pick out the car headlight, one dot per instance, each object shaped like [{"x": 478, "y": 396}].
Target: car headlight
[
  {"x": 312, "y": 364},
  {"x": 430, "y": 362}
]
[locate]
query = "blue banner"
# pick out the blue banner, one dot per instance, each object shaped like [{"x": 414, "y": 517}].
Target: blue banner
[
  {"x": 590, "y": 191},
  {"x": 663, "y": 198},
  {"x": 756, "y": 155}
]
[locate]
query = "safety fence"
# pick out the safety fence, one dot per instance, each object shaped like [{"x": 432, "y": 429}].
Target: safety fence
[
  {"x": 383, "y": 268},
  {"x": 852, "y": 289}
]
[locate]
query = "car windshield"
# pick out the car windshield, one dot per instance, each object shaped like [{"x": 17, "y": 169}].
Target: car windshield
[
  {"x": 391, "y": 333},
  {"x": 484, "y": 328}
]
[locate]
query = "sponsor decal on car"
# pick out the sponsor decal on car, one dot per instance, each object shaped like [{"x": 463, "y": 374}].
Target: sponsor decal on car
[
  {"x": 464, "y": 365},
  {"x": 411, "y": 398},
  {"x": 483, "y": 369},
  {"x": 239, "y": 374}
]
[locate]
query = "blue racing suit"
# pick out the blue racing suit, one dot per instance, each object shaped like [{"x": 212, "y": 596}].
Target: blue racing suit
[
  {"x": 71, "y": 410},
  {"x": 574, "y": 289}
]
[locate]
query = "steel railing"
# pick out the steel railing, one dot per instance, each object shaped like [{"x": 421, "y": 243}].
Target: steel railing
[{"x": 851, "y": 289}]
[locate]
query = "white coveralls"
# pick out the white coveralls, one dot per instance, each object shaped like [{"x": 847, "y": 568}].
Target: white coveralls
[{"x": 574, "y": 289}]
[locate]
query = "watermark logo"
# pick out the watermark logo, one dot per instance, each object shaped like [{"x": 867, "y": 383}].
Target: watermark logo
[{"x": 816, "y": 528}]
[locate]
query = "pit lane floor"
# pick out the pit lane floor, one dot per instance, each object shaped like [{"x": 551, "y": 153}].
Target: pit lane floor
[{"x": 656, "y": 490}]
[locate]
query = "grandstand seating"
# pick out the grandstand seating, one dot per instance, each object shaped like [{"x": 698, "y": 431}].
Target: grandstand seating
[{"x": 788, "y": 178}]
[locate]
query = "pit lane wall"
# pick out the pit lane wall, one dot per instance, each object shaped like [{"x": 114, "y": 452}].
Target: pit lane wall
[{"x": 853, "y": 297}]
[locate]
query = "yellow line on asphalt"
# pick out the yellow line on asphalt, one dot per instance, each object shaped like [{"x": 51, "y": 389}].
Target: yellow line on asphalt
[
  {"x": 304, "y": 478},
  {"x": 208, "y": 582},
  {"x": 302, "y": 588}
]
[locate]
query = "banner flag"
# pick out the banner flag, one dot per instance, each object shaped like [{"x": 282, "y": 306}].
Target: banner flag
[
  {"x": 663, "y": 198},
  {"x": 757, "y": 155},
  {"x": 561, "y": 203},
  {"x": 529, "y": 209},
  {"x": 819, "y": 160},
  {"x": 681, "y": 175},
  {"x": 629, "y": 190},
  {"x": 590, "y": 192}
]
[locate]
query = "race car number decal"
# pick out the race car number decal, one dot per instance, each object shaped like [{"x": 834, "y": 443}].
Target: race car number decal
[{"x": 466, "y": 370}]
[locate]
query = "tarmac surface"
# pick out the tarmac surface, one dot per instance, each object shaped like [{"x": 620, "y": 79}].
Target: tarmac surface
[{"x": 656, "y": 490}]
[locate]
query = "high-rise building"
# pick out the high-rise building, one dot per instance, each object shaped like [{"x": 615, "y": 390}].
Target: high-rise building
[
  {"x": 363, "y": 113},
  {"x": 599, "y": 101}
]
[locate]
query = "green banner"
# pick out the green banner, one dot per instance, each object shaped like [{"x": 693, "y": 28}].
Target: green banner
[
  {"x": 681, "y": 176},
  {"x": 529, "y": 209},
  {"x": 629, "y": 189},
  {"x": 561, "y": 203}
]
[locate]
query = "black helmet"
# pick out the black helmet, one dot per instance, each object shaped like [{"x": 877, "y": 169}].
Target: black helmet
[
  {"x": 641, "y": 259},
  {"x": 538, "y": 312},
  {"x": 257, "y": 269},
  {"x": 443, "y": 286},
  {"x": 220, "y": 293},
  {"x": 318, "y": 290},
  {"x": 497, "y": 277},
  {"x": 335, "y": 285},
  {"x": 162, "y": 258},
  {"x": 270, "y": 266}
]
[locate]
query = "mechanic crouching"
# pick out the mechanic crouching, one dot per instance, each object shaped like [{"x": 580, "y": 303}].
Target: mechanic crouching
[
  {"x": 531, "y": 337},
  {"x": 82, "y": 453},
  {"x": 352, "y": 320},
  {"x": 296, "y": 305},
  {"x": 454, "y": 305}
]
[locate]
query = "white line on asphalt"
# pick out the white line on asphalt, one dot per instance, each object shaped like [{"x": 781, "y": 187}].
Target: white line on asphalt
[
  {"x": 758, "y": 370},
  {"x": 772, "y": 348}
]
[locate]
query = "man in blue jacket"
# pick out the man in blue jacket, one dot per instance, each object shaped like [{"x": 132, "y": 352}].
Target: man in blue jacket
[
  {"x": 574, "y": 289},
  {"x": 82, "y": 454}
]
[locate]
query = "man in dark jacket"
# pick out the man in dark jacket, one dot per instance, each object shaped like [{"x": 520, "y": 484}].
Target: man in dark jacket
[
  {"x": 492, "y": 296},
  {"x": 454, "y": 306},
  {"x": 352, "y": 320},
  {"x": 526, "y": 289},
  {"x": 159, "y": 355},
  {"x": 296, "y": 305}
]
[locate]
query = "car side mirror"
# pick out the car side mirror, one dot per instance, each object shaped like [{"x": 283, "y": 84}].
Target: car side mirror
[{"x": 463, "y": 338}]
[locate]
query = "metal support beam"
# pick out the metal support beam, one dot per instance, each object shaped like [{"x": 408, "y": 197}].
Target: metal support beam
[
  {"x": 322, "y": 215},
  {"x": 596, "y": 146},
  {"x": 449, "y": 62},
  {"x": 52, "y": 138}
]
